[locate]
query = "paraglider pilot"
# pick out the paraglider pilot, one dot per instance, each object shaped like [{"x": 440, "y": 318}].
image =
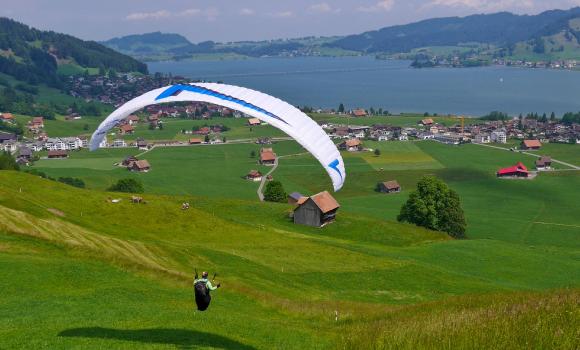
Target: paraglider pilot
[{"x": 202, "y": 287}]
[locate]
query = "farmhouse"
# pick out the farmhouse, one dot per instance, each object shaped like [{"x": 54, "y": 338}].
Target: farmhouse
[
  {"x": 359, "y": 113},
  {"x": 54, "y": 154},
  {"x": 531, "y": 144},
  {"x": 195, "y": 141},
  {"x": 126, "y": 129},
  {"x": 427, "y": 122},
  {"x": 518, "y": 170},
  {"x": 25, "y": 153},
  {"x": 295, "y": 197},
  {"x": 254, "y": 121},
  {"x": 389, "y": 187},
  {"x": 254, "y": 175},
  {"x": 317, "y": 210},
  {"x": 129, "y": 161},
  {"x": 267, "y": 156},
  {"x": 141, "y": 166},
  {"x": 544, "y": 163},
  {"x": 352, "y": 145}
]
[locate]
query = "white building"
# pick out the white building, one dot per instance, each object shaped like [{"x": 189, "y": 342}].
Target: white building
[
  {"x": 498, "y": 137},
  {"x": 119, "y": 143},
  {"x": 482, "y": 138}
]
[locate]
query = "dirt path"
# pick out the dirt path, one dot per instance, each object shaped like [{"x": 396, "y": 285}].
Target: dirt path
[{"x": 264, "y": 179}]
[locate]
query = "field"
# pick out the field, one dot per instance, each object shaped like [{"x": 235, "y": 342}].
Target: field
[{"x": 95, "y": 274}]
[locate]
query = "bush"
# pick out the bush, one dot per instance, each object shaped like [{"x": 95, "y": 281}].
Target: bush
[
  {"x": 128, "y": 186},
  {"x": 72, "y": 181},
  {"x": 435, "y": 206},
  {"x": 275, "y": 192}
]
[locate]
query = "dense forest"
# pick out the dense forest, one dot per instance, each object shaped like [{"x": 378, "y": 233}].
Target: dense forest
[{"x": 32, "y": 55}]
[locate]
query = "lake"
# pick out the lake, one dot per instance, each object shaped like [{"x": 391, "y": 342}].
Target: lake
[{"x": 392, "y": 85}]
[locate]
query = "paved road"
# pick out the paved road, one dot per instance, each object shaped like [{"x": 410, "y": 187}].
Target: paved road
[{"x": 575, "y": 167}]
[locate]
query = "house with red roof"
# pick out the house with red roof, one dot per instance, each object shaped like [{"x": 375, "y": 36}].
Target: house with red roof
[
  {"x": 531, "y": 144},
  {"x": 518, "y": 170}
]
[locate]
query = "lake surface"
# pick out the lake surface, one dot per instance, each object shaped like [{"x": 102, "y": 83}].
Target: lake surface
[{"x": 392, "y": 85}]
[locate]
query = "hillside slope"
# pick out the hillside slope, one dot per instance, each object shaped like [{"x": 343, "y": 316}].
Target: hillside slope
[
  {"x": 96, "y": 274},
  {"x": 34, "y": 56},
  {"x": 500, "y": 29}
]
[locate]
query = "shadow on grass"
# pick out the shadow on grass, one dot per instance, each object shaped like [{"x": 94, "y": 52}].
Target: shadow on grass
[{"x": 180, "y": 337}]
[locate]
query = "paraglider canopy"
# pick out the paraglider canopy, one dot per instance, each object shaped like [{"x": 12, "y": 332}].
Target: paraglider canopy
[{"x": 274, "y": 111}]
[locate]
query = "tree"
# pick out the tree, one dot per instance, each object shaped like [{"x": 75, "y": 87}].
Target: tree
[
  {"x": 275, "y": 192},
  {"x": 341, "y": 108},
  {"x": 127, "y": 185},
  {"x": 435, "y": 206},
  {"x": 206, "y": 139},
  {"x": 552, "y": 117},
  {"x": 7, "y": 162},
  {"x": 543, "y": 118},
  {"x": 377, "y": 152},
  {"x": 253, "y": 154},
  {"x": 86, "y": 127}
]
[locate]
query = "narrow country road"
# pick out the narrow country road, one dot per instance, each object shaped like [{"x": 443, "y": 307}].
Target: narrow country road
[
  {"x": 263, "y": 182},
  {"x": 575, "y": 167}
]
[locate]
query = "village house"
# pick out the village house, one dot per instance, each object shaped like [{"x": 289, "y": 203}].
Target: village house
[
  {"x": 5, "y": 137},
  {"x": 498, "y": 136},
  {"x": 295, "y": 197},
  {"x": 544, "y": 163},
  {"x": 449, "y": 138},
  {"x": 38, "y": 122},
  {"x": 9, "y": 146},
  {"x": 57, "y": 154},
  {"x": 427, "y": 122},
  {"x": 482, "y": 138},
  {"x": 351, "y": 145},
  {"x": 531, "y": 144},
  {"x": 389, "y": 187},
  {"x": 359, "y": 113},
  {"x": 317, "y": 211},
  {"x": 340, "y": 132},
  {"x": 425, "y": 136},
  {"x": 7, "y": 118},
  {"x": 119, "y": 143},
  {"x": 142, "y": 144},
  {"x": 518, "y": 170},
  {"x": 254, "y": 175},
  {"x": 195, "y": 141},
  {"x": 358, "y": 131},
  {"x": 254, "y": 122},
  {"x": 73, "y": 116},
  {"x": 133, "y": 119},
  {"x": 128, "y": 162},
  {"x": 126, "y": 129},
  {"x": 141, "y": 166},
  {"x": 267, "y": 156}
]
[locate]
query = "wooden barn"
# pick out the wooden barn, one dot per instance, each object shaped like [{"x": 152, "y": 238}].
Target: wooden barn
[
  {"x": 544, "y": 163},
  {"x": 389, "y": 187},
  {"x": 57, "y": 154},
  {"x": 317, "y": 210},
  {"x": 142, "y": 166},
  {"x": 267, "y": 156}
]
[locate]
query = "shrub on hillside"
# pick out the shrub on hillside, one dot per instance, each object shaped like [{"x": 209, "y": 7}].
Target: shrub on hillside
[
  {"x": 435, "y": 206},
  {"x": 7, "y": 162},
  {"x": 72, "y": 181},
  {"x": 128, "y": 186},
  {"x": 275, "y": 192}
]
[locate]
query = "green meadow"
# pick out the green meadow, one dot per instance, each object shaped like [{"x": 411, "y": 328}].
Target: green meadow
[{"x": 87, "y": 273}]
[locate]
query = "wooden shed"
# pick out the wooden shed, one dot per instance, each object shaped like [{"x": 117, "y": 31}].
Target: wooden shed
[
  {"x": 389, "y": 187},
  {"x": 317, "y": 210}
]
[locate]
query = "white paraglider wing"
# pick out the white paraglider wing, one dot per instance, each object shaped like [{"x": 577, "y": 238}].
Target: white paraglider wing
[{"x": 274, "y": 111}]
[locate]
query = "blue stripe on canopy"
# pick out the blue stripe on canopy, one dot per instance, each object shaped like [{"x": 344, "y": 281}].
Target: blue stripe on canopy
[{"x": 176, "y": 89}]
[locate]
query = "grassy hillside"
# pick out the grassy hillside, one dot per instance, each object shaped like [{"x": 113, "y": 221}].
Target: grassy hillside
[{"x": 96, "y": 274}]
